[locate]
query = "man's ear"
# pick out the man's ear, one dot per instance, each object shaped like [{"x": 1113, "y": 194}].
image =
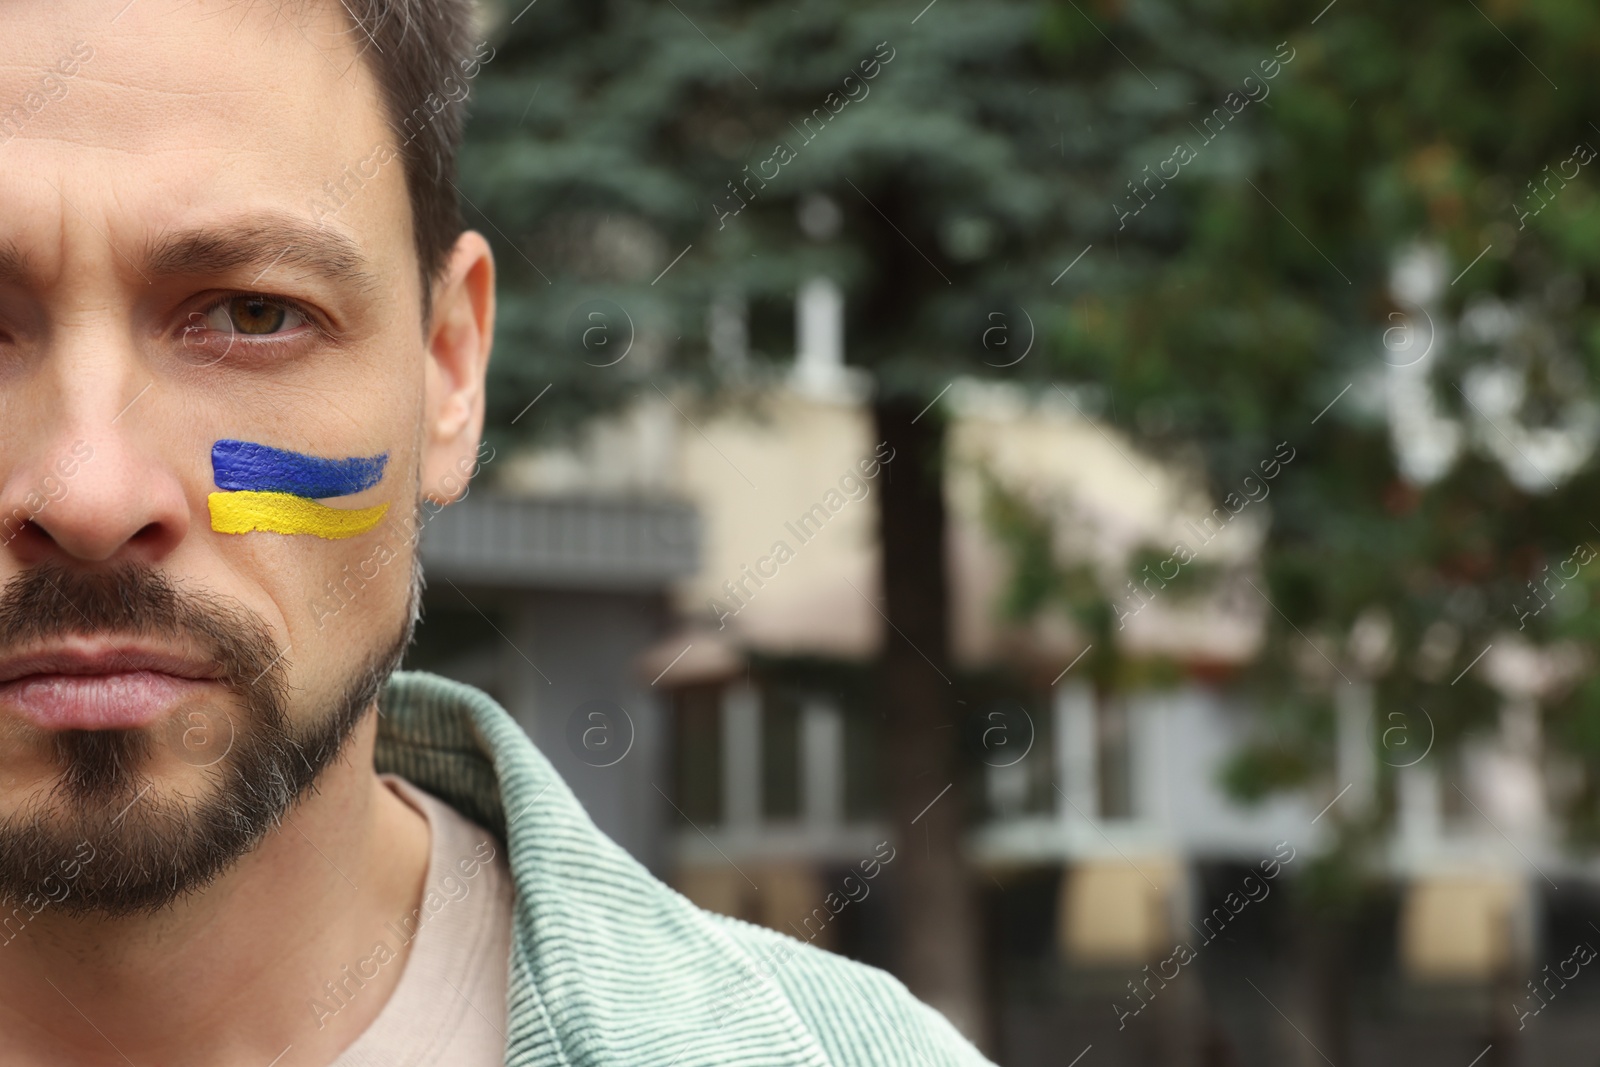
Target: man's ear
[{"x": 460, "y": 334}]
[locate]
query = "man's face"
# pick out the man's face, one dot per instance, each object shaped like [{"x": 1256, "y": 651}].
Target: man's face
[{"x": 199, "y": 243}]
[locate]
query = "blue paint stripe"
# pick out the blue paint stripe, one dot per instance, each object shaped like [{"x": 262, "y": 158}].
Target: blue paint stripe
[{"x": 263, "y": 469}]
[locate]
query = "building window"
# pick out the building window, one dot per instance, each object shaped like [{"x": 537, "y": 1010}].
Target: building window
[
  {"x": 697, "y": 753},
  {"x": 780, "y": 757},
  {"x": 1115, "y": 757},
  {"x": 863, "y": 772}
]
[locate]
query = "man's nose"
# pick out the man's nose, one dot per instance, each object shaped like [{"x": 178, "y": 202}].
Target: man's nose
[{"x": 100, "y": 490}]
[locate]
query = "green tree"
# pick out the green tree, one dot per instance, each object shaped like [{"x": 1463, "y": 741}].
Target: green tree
[
  {"x": 673, "y": 158},
  {"x": 1387, "y": 264},
  {"x": 1221, "y": 310}
]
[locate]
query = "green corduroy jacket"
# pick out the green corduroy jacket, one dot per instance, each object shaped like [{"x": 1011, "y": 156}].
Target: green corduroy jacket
[{"x": 609, "y": 966}]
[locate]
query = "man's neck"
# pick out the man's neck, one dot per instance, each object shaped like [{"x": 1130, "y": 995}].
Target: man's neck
[{"x": 231, "y": 974}]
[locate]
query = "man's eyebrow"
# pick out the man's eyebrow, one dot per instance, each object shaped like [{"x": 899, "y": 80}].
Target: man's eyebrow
[{"x": 262, "y": 244}]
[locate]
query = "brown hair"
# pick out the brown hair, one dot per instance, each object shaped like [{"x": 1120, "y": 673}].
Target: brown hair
[{"x": 422, "y": 54}]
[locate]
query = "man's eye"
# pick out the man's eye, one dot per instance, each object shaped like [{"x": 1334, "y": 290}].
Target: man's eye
[{"x": 253, "y": 316}]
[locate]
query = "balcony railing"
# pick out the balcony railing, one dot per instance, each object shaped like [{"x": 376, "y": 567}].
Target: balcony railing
[{"x": 563, "y": 542}]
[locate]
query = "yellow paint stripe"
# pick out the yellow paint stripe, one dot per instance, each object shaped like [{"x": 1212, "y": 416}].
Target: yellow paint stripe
[{"x": 283, "y": 513}]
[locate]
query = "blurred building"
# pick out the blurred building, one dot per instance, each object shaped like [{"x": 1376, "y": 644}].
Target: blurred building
[
  {"x": 680, "y": 607},
  {"x": 547, "y": 603}
]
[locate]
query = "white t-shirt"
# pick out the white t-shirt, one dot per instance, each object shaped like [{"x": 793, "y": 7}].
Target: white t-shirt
[{"x": 449, "y": 1008}]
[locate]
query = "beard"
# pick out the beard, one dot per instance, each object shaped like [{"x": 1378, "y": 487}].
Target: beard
[{"x": 104, "y": 839}]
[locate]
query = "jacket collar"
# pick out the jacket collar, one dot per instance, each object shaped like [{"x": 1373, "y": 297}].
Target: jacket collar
[{"x": 607, "y": 963}]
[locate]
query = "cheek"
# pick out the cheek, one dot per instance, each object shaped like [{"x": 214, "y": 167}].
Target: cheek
[
  {"x": 342, "y": 609},
  {"x": 360, "y": 581},
  {"x": 334, "y": 603}
]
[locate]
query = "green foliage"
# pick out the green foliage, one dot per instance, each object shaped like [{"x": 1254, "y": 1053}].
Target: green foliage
[
  {"x": 1250, "y": 291},
  {"x": 609, "y": 137},
  {"x": 1037, "y": 580},
  {"x": 1247, "y": 295},
  {"x": 1258, "y": 770}
]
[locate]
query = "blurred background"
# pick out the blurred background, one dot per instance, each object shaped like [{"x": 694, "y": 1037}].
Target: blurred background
[{"x": 1086, "y": 504}]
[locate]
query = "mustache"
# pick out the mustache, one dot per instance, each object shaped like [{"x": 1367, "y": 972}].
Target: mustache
[
  {"x": 51, "y": 601},
  {"x": 151, "y": 848}
]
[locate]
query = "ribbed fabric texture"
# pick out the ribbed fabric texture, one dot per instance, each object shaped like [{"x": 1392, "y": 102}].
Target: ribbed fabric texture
[{"x": 609, "y": 966}]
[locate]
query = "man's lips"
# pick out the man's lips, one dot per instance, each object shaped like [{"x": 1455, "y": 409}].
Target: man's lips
[{"x": 98, "y": 685}]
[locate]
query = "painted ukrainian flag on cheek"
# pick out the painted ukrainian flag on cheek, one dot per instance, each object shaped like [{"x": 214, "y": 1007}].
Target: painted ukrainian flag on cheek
[{"x": 273, "y": 490}]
